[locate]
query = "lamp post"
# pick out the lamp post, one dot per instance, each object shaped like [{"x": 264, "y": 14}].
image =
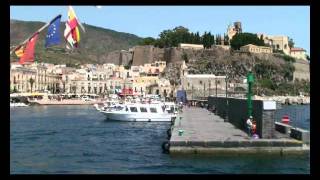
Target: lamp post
[
  {"x": 226, "y": 86},
  {"x": 227, "y": 102},
  {"x": 204, "y": 90},
  {"x": 216, "y": 88},
  {"x": 192, "y": 91},
  {"x": 250, "y": 80},
  {"x": 209, "y": 87}
]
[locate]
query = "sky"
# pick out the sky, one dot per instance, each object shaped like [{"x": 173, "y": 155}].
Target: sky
[{"x": 149, "y": 21}]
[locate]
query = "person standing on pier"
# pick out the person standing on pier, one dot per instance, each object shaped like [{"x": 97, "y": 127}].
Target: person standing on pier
[{"x": 249, "y": 125}]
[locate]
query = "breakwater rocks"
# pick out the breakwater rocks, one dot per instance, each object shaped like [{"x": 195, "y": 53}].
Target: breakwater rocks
[{"x": 285, "y": 99}]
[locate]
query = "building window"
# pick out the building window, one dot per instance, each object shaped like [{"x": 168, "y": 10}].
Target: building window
[
  {"x": 200, "y": 82},
  {"x": 278, "y": 47},
  {"x": 285, "y": 46}
]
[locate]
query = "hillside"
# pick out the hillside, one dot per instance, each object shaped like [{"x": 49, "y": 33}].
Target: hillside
[
  {"x": 95, "y": 44},
  {"x": 274, "y": 73}
]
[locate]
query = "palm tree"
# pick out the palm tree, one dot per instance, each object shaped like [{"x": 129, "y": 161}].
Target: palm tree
[{"x": 31, "y": 81}]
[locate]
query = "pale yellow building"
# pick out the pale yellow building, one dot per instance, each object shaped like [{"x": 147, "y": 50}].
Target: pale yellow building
[
  {"x": 256, "y": 49},
  {"x": 145, "y": 84},
  {"x": 298, "y": 53},
  {"x": 154, "y": 68},
  {"x": 43, "y": 78},
  {"x": 277, "y": 42}
]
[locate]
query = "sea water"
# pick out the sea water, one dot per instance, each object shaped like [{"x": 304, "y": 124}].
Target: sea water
[{"x": 78, "y": 140}]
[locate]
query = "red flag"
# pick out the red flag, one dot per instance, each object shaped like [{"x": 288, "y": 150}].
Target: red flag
[
  {"x": 73, "y": 23},
  {"x": 28, "y": 55}
]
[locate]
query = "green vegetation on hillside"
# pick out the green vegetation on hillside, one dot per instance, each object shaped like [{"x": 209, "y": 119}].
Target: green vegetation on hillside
[
  {"x": 180, "y": 34},
  {"x": 243, "y": 39}
]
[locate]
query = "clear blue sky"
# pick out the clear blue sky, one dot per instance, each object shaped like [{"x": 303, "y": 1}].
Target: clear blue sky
[{"x": 144, "y": 21}]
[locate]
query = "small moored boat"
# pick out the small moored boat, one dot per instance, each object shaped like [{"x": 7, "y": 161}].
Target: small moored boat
[{"x": 138, "y": 112}]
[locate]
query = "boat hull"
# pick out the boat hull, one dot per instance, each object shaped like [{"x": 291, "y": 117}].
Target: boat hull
[{"x": 147, "y": 117}]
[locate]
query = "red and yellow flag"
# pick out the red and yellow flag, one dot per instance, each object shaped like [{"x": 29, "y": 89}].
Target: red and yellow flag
[
  {"x": 28, "y": 55},
  {"x": 19, "y": 51},
  {"x": 71, "y": 33}
]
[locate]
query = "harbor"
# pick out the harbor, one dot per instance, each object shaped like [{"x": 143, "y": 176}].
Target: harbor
[
  {"x": 77, "y": 139},
  {"x": 163, "y": 99},
  {"x": 198, "y": 131}
]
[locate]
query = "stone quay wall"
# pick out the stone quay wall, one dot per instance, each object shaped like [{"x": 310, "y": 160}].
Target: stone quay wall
[{"x": 235, "y": 111}]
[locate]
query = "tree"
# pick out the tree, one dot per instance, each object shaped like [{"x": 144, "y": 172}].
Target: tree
[
  {"x": 147, "y": 41},
  {"x": 291, "y": 43},
  {"x": 211, "y": 39},
  {"x": 184, "y": 56},
  {"x": 197, "y": 38},
  {"x": 308, "y": 58},
  {"x": 226, "y": 40},
  {"x": 218, "y": 39},
  {"x": 243, "y": 39},
  {"x": 31, "y": 81}
]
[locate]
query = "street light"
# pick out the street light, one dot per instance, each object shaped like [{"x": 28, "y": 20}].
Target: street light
[
  {"x": 209, "y": 87},
  {"x": 250, "y": 80},
  {"x": 227, "y": 76},
  {"x": 216, "y": 87}
]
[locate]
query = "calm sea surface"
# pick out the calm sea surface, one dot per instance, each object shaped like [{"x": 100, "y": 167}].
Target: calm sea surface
[
  {"x": 299, "y": 115},
  {"x": 76, "y": 139}
]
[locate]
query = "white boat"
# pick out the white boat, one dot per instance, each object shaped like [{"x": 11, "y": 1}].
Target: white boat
[
  {"x": 19, "y": 104},
  {"x": 138, "y": 112},
  {"x": 107, "y": 104}
]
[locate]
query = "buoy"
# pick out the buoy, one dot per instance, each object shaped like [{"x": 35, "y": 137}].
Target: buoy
[{"x": 285, "y": 119}]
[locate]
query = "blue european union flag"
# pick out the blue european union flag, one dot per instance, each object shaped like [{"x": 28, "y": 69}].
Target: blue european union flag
[{"x": 53, "y": 35}]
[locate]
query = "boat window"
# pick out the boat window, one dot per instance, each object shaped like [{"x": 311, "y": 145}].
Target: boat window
[
  {"x": 133, "y": 109},
  {"x": 143, "y": 109},
  {"x": 153, "y": 110},
  {"x": 118, "y": 108}
]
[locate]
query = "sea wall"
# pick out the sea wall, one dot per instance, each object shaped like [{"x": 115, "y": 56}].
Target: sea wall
[
  {"x": 285, "y": 99},
  {"x": 235, "y": 111}
]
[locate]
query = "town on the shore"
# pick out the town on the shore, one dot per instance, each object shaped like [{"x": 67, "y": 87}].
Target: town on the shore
[{"x": 104, "y": 79}]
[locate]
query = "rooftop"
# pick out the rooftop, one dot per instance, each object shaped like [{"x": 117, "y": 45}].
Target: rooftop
[{"x": 297, "y": 49}]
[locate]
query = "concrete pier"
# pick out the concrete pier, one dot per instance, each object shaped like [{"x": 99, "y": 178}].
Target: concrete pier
[{"x": 197, "y": 130}]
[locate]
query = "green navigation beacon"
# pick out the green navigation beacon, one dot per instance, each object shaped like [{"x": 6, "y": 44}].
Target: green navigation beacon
[{"x": 250, "y": 80}]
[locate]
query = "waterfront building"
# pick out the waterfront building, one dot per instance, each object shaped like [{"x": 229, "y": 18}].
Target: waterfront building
[
  {"x": 34, "y": 77},
  {"x": 146, "y": 84},
  {"x": 164, "y": 87},
  {"x": 255, "y": 49},
  {"x": 155, "y": 68}
]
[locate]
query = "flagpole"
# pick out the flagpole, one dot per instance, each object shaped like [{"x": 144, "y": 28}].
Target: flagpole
[
  {"x": 38, "y": 31},
  {"x": 77, "y": 19}
]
